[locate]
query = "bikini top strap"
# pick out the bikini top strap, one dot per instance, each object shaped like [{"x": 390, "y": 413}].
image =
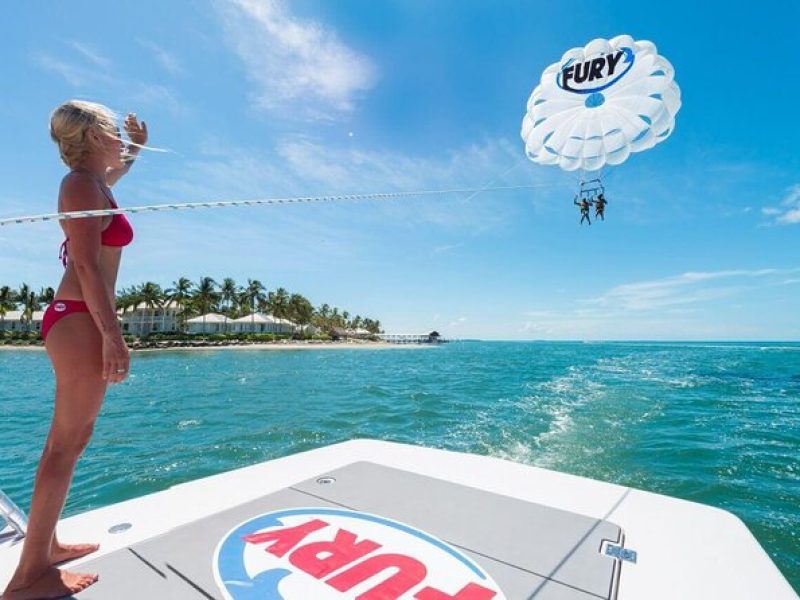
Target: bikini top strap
[
  {"x": 103, "y": 187},
  {"x": 107, "y": 195}
]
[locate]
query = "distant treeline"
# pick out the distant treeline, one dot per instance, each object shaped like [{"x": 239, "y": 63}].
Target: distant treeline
[{"x": 195, "y": 299}]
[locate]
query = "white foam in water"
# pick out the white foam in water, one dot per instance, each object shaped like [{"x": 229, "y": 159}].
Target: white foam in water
[{"x": 560, "y": 398}]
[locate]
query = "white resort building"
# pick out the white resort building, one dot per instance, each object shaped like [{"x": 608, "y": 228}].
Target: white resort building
[
  {"x": 13, "y": 321},
  {"x": 208, "y": 323},
  {"x": 143, "y": 319},
  {"x": 261, "y": 323}
]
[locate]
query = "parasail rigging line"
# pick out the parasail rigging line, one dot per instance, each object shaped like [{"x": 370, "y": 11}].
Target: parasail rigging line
[{"x": 83, "y": 214}]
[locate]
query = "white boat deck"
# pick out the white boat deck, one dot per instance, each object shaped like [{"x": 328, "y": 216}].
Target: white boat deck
[{"x": 433, "y": 525}]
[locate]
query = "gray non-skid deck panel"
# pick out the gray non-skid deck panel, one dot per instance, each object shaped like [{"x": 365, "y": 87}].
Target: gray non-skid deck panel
[
  {"x": 552, "y": 543},
  {"x": 531, "y": 551},
  {"x": 185, "y": 555}
]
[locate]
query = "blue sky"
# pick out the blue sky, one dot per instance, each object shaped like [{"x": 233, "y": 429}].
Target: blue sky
[{"x": 262, "y": 98}]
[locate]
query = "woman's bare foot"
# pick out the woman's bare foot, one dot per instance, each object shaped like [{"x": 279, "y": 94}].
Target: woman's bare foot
[
  {"x": 60, "y": 553},
  {"x": 53, "y": 583}
]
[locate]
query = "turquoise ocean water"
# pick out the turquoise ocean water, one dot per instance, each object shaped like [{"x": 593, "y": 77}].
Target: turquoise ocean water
[{"x": 717, "y": 423}]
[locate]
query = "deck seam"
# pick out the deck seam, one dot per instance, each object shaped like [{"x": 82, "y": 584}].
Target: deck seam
[
  {"x": 147, "y": 562},
  {"x": 191, "y": 583}
]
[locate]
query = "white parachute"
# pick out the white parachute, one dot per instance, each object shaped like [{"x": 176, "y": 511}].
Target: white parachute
[{"x": 599, "y": 104}]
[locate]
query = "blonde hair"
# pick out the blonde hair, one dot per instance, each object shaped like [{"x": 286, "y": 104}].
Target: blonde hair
[{"x": 69, "y": 124}]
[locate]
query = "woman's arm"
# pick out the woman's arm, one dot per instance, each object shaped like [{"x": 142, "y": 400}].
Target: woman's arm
[
  {"x": 138, "y": 136},
  {"x": 114, "y": 175}
]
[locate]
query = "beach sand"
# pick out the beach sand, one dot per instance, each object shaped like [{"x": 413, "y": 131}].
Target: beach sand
[
  {"x": 263, "y": 346},
  {"x": 294, "y": 346}
]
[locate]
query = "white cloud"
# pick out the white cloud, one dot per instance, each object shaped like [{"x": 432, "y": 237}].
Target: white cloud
[
  {"x": 92, "y": 69},
  {"x": 73, "y": 74},
  {"x": 168, "y": 61},
  {"x": 297, "y": 66},
  {"x": 159, "y": 96},
  {"x": 789, "y": 211},
  {"x": 91, "y": 54},
  {"x": 447, "y": 248},
  {"x": 654, "y": 309},
  {"x": 686, "y": 288}
]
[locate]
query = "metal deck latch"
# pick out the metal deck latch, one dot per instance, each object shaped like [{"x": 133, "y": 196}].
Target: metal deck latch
[
  {"x": 13, "y": 516},
  {"x": 621, "y": 553}
]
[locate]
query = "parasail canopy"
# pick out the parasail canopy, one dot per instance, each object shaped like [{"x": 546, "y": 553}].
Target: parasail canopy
[{"x": 599, "y": 104}]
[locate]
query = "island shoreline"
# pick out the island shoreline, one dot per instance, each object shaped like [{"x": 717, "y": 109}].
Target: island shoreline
[{"x": 252, "y": 346}]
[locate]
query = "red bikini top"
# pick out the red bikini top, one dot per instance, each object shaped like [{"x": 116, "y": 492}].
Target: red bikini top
[{"x": 118, "y": 233}]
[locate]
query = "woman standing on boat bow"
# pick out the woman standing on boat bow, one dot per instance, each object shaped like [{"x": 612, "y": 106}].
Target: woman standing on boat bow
[{"x": 82, "y": 337}]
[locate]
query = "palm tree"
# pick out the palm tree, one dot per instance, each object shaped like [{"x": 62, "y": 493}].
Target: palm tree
[
  {"x": 254, "y": 292},
  {"x": 322, "y": 316},
  {"x": 125, "y": 299},
  {"x": 228, "y": 295},
  {"x": 301, "y": 310},
  {"x": 30, "y": 305},
  {"x": 46, "y": 295},
  {"x": 22, "y": 293},
  {"x": 278, "y": 303},
  {"x": 179, "y": 294},
  {"x": 6, "y": 304},
  {"x": 206, "y": 296},
  {"x": 151, "y": 295},
  {"x": 243, "y": 301},
  {"x": 21, "y": 298},
  {"x": 324, "y": 312}
]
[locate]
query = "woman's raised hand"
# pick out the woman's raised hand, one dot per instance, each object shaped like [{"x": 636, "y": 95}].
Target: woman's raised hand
[{"x": 137, "y": 132}]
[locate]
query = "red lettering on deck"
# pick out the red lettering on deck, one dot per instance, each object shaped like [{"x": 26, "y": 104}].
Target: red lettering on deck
[
  {"x": 471, "y": 591},
  {"x": 287, "y": 538},
  {"x": 410, "y": 572},
  {"x": 343, "y": 550}
]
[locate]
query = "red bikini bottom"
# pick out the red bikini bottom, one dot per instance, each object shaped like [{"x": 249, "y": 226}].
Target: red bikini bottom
[{"x": 59, "y": 309}]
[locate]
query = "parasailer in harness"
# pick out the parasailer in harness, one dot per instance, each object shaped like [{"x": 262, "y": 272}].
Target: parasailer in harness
[
  {"x": 600, "y": 206},
  {"x": 584, "y": 205}
]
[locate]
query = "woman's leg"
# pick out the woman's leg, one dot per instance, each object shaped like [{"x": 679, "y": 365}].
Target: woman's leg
[{"x": 75, "y": 349}]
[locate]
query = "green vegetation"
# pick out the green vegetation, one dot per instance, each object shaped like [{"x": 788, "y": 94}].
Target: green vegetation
[
  {"x": 236, "y": 301},
  {"x": 195, "y": 299}
]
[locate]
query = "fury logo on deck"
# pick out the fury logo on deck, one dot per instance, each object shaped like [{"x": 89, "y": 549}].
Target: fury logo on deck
[
  {"x": 595, "y": 74},
  {"x": 334, "y": 554}
]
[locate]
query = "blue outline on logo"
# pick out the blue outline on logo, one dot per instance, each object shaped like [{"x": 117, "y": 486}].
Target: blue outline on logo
[
  {"x": 630, "y": 57},
  {"x": 264, "y": 586}
]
